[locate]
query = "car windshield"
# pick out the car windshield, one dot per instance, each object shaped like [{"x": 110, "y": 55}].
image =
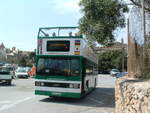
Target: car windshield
[
  {"x": 21, "y": 70},
  {"x": 4, "y": 70},
  {"x": 115, "y": 70},
  {"x": 58, "y": 66},
  {"x": 28, "y": 69}
]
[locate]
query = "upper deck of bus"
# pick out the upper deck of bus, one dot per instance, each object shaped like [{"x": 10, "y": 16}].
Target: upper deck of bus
[
  {"x": 63, "y": 41},
  {"x": 59, "y": 32}
]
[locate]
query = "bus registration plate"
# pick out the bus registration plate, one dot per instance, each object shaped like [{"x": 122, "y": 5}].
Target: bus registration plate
[{"x": 56, "y": 93}]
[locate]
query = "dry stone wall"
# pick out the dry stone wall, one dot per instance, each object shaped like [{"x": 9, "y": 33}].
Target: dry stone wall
[{"x": 132, "y": 95}]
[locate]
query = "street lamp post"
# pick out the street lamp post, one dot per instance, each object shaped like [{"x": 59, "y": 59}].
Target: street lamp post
[
  {"x": 143, "y": 23},
  {"x": 122, "y": 41}
]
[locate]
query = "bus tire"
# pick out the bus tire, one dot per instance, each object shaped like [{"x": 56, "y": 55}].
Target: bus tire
[
  {"x": 87, "y": 84},
  {"x": 9, "y": 82},
  {"x": 95, "y": 83}
]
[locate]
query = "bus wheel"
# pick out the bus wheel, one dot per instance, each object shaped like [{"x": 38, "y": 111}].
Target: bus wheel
[
  {"x": 95, "y": 83},
  {"x": 51, "y": 96},
  {"x": 87, "y": 84},
  {"x": 9, "y": 82}
]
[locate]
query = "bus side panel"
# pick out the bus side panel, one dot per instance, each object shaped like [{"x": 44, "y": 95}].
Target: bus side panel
[
  {"x": 89, "y": 83},
  {"x": 89, "y": 80}
]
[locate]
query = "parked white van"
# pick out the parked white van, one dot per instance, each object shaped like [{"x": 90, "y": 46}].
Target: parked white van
[{"x": 5, "y": 75}]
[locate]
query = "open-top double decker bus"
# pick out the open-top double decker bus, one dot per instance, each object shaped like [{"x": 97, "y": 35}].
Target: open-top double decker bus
[{"x": 65, "y": 65}]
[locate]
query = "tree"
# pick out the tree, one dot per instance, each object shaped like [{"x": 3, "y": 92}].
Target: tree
[
  {"x": 23, "y": 62},
  {"x": 101, "y": 18},
  {"x": 111, "y": 59},
  {"x": 27, "y": 60},
  {"x": 32, "y": 56}
]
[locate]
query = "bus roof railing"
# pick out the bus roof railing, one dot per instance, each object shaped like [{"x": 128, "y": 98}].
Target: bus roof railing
[
  {"x": 44, "y": 32},
  {"x": 59, "y": 27}
]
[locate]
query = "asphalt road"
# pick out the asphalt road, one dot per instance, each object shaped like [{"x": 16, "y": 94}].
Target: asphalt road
[{"x": 20, "y": 98}]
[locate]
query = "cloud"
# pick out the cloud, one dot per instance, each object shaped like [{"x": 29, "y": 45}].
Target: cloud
[{"x": 67, "y": 6}]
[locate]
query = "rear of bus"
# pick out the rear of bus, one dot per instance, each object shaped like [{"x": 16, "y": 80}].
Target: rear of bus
[{"x": 58, "y": 69}]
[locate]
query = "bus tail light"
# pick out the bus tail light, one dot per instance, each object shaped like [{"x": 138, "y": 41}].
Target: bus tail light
[
  {"x": 77, "y": 52},
  {"x": 77, "y": 47},
  {"x": 77, "y": 42},
  {"x": 41, "y": 51},
  {"x": 39, "y": 43},
  {"x": 40, "y": 46},
  {"x": 39, "y": 83}
]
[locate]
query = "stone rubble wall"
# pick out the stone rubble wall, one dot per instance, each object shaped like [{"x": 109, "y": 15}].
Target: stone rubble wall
[{"x": 132, "y": 95}]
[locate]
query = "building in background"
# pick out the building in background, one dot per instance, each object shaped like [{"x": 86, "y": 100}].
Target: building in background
[
  {"x": 16, "y": 56},
  {"x": 3, "y": 54}
]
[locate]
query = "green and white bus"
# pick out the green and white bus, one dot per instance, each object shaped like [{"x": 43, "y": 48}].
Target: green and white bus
[{"x": 65, "y": 65}]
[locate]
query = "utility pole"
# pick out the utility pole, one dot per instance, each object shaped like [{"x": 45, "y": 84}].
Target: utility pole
[
  {"x": 122, "y": 41},
  {"x": 143, "y": 23},
  {"x": 144, "y": 38}
]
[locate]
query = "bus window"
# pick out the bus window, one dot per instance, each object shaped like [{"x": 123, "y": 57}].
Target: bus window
[
  {"x": 89, "y": 68},
  {"x": 58, "y": 66},
  {"x": 75, "y": 67},
  {"x": 95, "y": 69}
]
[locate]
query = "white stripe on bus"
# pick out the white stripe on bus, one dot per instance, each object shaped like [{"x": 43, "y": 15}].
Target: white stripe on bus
[
  {"x": 57, "y": 81},
  {"x": 54, "y": 89}
]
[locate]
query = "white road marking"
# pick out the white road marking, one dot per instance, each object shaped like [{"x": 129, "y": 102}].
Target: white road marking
[
  {"x": 4, "y": 107},
  {"x": 5, "y": 102},
  {"x": 95, "y": 100}
]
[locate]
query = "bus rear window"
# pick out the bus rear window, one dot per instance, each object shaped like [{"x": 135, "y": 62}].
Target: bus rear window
[{"x": 58, "y": 46}]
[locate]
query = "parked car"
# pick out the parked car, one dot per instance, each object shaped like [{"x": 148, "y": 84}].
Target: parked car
[
  {"x": 11, "y": 72},
  {"x": 28, "y": 69},
  {"x": 21, "y": 72},
  {"x": 103, "y": 72},
  {"x": 121, "y": 74},
  {"x": 114, "y": 72},
  {"x": 5, "y": 76},
  {"x": 11, "y": 68}
]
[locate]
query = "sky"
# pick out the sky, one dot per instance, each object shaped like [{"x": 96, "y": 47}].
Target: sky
[{"x": 21, "y": 19}]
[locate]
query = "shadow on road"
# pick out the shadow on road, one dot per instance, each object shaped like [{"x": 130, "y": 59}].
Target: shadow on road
[
  {"x": 100, "y": 97},
  {"x": 5, "y": 85}
]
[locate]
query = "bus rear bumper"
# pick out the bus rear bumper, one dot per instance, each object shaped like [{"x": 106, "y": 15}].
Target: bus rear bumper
[{"x": 58, "y": 94}]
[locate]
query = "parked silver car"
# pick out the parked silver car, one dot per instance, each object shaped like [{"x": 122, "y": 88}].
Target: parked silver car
[
  {"x": 21, "y": 73},
  {"x": 114, "y": 72},
  {"x": 5, "y": 75},
  {"x": 121, "y": 74}
]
